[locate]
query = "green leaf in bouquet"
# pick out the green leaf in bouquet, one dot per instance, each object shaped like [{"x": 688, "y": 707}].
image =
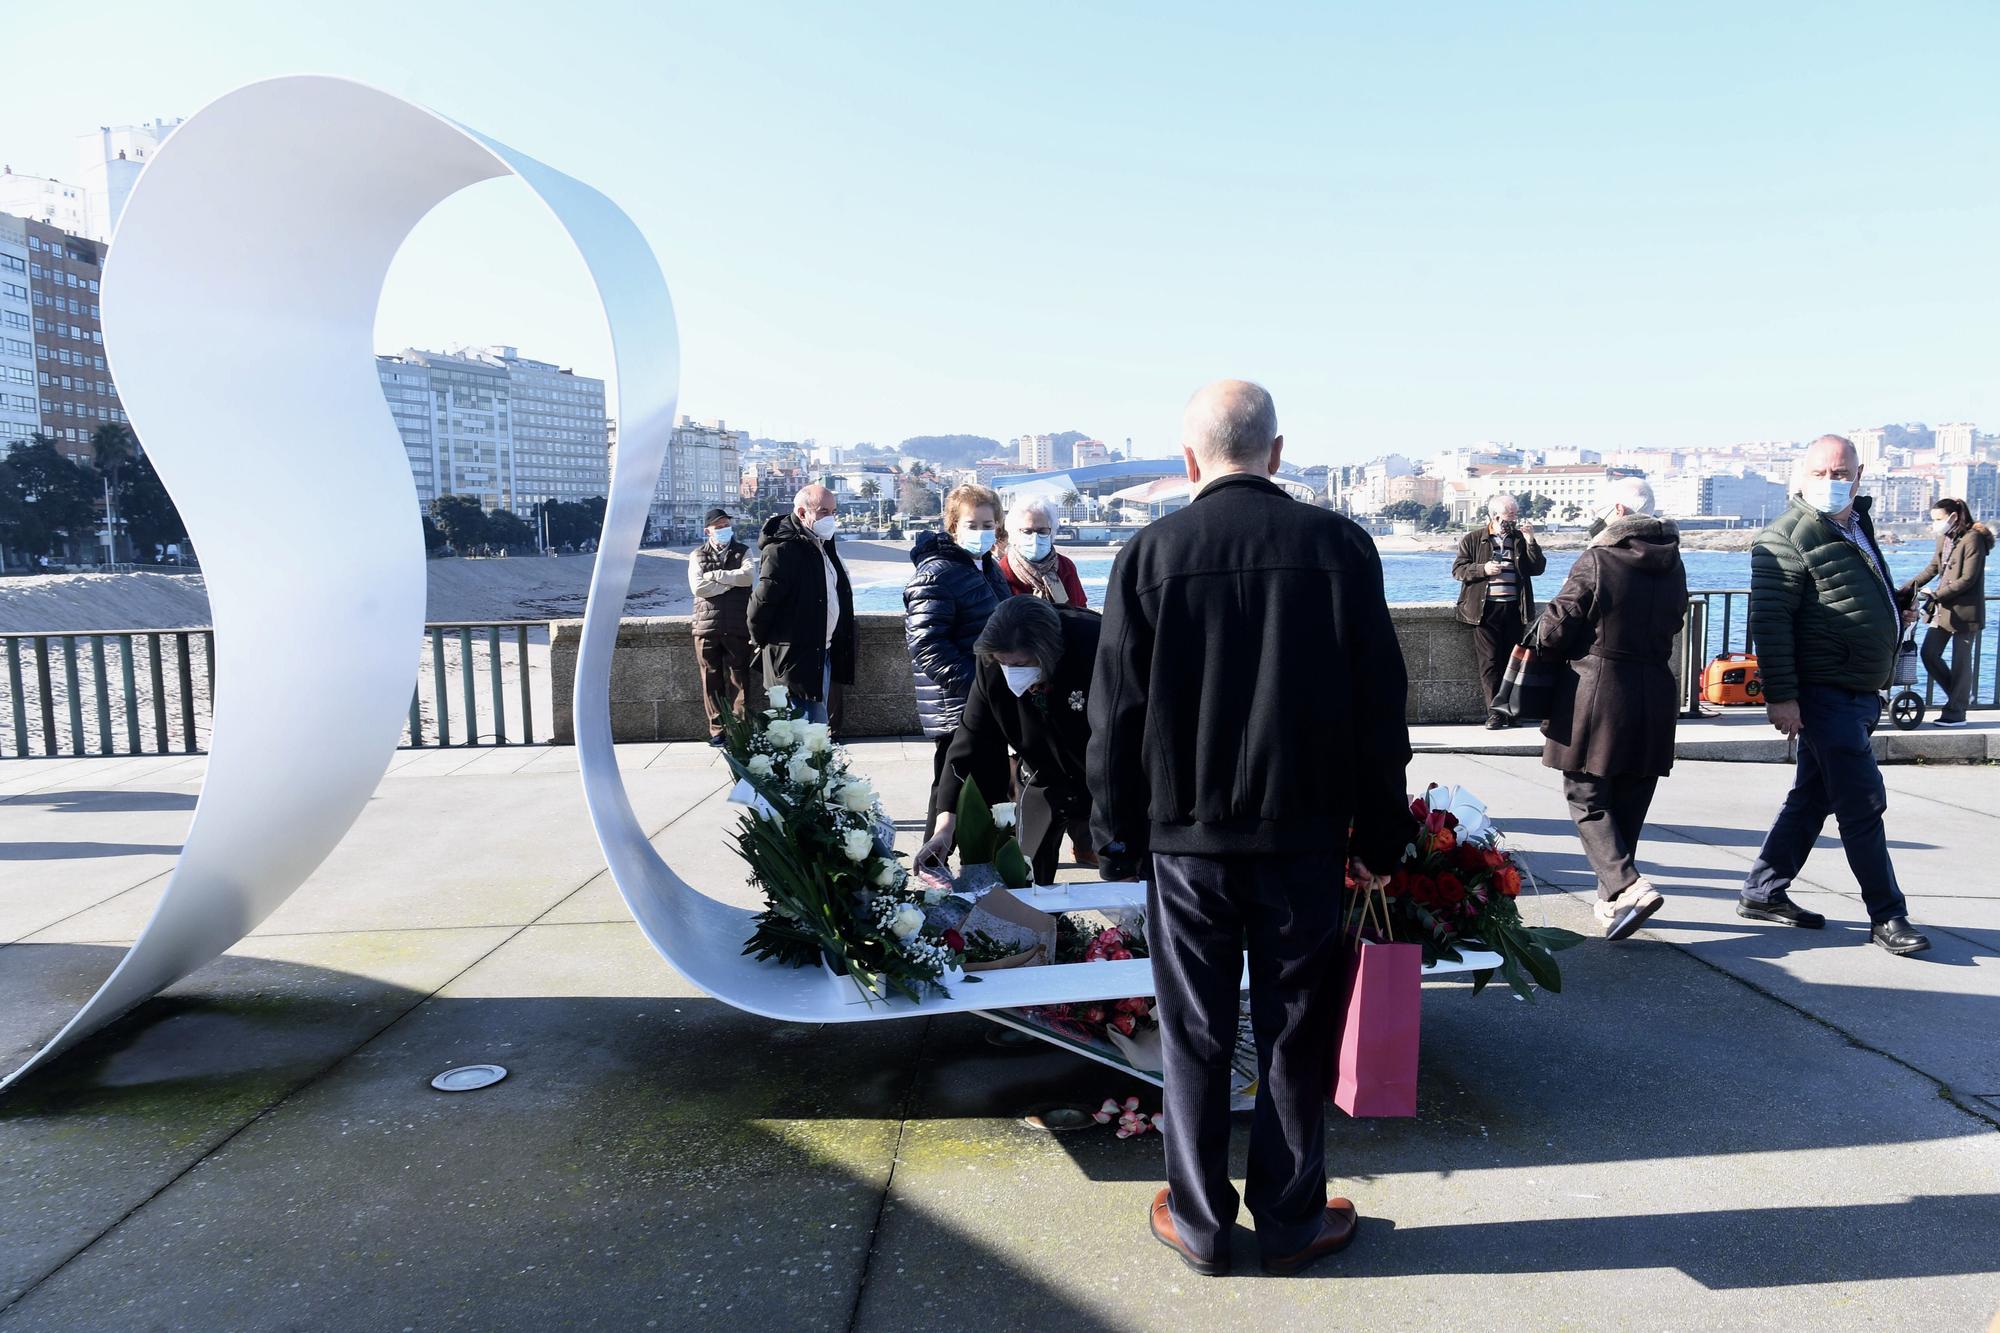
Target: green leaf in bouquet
[
  {"x": 1541, "y": 965},
  {"x": 1511, "y": 970},
  {"x": 977, "y": 834},
  {"x": 1552, "y": 938},
  {"x": 1480, "y": 978},
  {"x": 1012, "y": 865}
]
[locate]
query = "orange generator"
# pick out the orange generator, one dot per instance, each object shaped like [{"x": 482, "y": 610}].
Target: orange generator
[{"x": 1732, "y": 679}]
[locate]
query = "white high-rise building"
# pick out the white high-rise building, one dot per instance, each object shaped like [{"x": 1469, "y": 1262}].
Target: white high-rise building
[
  {"x": 19, "y": 409},
  {"x": 489, "y": 423},
  {"x": 108, "y": 161},
  {"x": 1956, "y": 441},
  {"x": 1037, "y": 453},
  {"x": 44, "y": 199},
  {"x": 703, "y": 471},
  {"x": 561, "y": 436}
]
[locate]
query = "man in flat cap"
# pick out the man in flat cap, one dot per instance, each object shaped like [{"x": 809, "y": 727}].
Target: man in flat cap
[{"x": 720, "y": 575}]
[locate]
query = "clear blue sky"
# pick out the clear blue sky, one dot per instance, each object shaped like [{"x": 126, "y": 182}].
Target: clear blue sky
[{"x": 1419, "y": 225}]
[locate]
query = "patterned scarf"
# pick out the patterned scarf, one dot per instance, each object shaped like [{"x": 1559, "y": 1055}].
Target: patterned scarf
[{"x": 1043, "y": 577}]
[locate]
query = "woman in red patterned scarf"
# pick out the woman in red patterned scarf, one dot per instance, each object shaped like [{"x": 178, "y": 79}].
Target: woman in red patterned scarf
[{"x": 1032, "y": 564}]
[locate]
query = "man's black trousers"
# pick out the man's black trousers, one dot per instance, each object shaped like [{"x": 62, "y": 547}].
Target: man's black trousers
[{"x": 1202, "y": 913}]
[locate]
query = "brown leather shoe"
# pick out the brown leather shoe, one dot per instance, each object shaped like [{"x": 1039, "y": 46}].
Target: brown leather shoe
[
  {"x": 1336, "y": 1229},
  {"x": 1165, "y": 1232}
]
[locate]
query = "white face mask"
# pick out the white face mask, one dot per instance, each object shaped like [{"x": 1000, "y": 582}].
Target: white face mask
[
  {"x": 1021, "y": 679},
  {"x": 1829, "y": 495},
  {"x": 722, "y": 536},
  {"x": 1037, "y": 545},
  {"x": 976, "y": 540},
  {"x": 1940, "y": 526},
  {"x": 824, "y": 528}
]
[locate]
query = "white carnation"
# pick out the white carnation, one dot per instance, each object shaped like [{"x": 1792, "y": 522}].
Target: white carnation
[
  {"x": 857, "y": 844},
  {"x": 801, "y": 771},
  {"x": 909, "y": 919},
  {"x": 759, "y": 765},
  {"x": 1004, "y": 815}
]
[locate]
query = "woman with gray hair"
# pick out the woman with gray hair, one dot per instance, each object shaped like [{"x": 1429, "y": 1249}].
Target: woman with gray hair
[
  {"x": 1611, "y": 728},
  {"x": 1031, "y": 694},
  {"x": 1032, "y": 564}
]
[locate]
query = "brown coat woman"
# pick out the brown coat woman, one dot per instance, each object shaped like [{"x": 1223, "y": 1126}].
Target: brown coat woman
[
  {"x": 1610, "y": 730},
  {"x": 1958, "y": 612}
]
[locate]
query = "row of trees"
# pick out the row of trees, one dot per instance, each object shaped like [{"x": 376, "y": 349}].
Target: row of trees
[
  {"x": 462, "y": 523},
  {"x": 1437, "y": 518},
  {"x": 52, "y": 507}
]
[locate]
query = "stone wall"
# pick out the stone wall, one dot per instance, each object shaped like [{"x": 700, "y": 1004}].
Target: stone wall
[{"x": 656, "y": 687}]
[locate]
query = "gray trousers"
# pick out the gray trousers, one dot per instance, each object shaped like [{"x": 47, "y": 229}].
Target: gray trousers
[
  {"x": 1201, "y": 914},
  {"x": 1956, "y": 679},
  {"x": 1609, "y": 814}
]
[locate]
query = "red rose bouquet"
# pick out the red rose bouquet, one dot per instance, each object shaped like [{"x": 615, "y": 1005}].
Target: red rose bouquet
[{"x": 1457, "y": 887}]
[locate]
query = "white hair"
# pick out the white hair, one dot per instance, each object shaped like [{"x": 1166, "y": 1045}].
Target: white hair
[
  {"x": 1502, "y": 500},
  {"x": 1635, "y": 493},
  {"x": 1030, "y": 504},
  {"x": 1230, "y": 422}
]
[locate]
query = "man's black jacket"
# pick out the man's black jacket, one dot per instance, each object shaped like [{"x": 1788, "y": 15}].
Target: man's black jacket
[
  {"x": 1249, "y": 695},
  {"x": 788, "y": 610}
]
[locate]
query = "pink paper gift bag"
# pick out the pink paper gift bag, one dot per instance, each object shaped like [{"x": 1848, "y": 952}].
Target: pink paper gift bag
[{"x": 1376, "y": 1073}]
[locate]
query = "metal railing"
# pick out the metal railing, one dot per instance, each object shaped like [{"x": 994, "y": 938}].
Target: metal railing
[
  {"x": 139, "y": 692},
  {"x": 1718, "y": 621}
]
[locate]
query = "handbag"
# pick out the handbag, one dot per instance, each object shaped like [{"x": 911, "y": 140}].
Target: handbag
[
  {"x": 1376, "y": 1071},
  {"x": 1528, "y": 686}
]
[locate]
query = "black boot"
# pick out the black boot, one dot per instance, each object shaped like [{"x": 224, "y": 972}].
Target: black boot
[
  {"x": 1898, "y": 936},
  {"x": 1781, "y": 910}
]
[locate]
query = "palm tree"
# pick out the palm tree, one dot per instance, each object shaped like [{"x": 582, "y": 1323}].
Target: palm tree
[
  {"x": 1070, "y": 500},
  {"x": 872, "y": 490},
  {"x": 112, "y": 447}
]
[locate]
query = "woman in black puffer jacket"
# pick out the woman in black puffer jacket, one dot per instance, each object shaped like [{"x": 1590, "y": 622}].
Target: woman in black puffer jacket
[{"x": 954, "y": 589}]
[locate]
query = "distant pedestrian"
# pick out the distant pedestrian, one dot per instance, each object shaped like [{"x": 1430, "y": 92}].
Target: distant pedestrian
[
  {"x": 1496, "y": 565},
  {"x": 1033, "y": 565},
  {"x": 954, "y": 588},
  {"x": 1825, "y": 620},
  {"x": 1611, "y": 728},
  {"x": 1248, "y": 705},
  {"x": 721, "y": 575},
  {"x": 1958, "y": 604},
  {"x": 802, "y": 605}
]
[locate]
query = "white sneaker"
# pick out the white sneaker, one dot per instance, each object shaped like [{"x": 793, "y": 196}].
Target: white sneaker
[{"x": 1631, "y": 909}]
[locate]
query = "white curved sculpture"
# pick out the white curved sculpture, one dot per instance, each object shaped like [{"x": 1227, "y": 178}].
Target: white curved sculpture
[{"x": 243, "y": 350}]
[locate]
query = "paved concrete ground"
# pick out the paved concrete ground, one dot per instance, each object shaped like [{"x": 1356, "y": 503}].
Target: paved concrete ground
[{"x": 1715, "y": 1125}]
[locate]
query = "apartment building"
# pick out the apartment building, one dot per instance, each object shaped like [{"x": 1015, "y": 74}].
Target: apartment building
[
  {"x": 703, "y": 471},
  {"x": 20, "y": 409},
  {"x": 73, "y": 388}
]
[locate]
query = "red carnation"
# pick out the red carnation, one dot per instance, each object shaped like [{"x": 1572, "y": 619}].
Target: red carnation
[
  {"x": 954, "y": 941},
  {"x": 1124, "y": 1023},
  {"x": 1450, "y": 888}
]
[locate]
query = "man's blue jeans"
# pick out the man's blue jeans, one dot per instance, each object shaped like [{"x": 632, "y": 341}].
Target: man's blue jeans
[
  {"x": 816, "y": 709},
  {"x": 1836, "y": 776}
]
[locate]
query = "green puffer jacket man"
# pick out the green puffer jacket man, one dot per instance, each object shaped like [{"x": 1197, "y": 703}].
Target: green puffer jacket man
[{"x": 1819, "y": 614}]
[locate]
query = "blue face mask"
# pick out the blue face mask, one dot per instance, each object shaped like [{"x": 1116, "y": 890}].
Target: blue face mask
[
  {"x": 1829, "y": 495},
  {"x": 976, "y": 540},
  {"x": 721, "y": 536}
]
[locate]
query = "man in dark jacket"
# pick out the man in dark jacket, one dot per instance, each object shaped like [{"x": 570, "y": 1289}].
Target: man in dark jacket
[
  {"x": 802, "y": 607},
  {"x": 1030, "y": 694},
  {"x": 720, "y": 575},
  {"x": 1611, "y": 727},
  {"x": 1495, "y": 568},
  {"x": 1248, "y": 705},
  {"x": 1823, "y": 615}
]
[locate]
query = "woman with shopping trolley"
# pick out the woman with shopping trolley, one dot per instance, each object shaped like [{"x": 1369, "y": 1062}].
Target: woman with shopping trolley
[{"x": 1954, "y": 608}]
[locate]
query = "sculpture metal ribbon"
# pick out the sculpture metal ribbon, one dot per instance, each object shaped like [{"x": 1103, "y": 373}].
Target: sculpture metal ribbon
[{"x": 242, "y": 342}]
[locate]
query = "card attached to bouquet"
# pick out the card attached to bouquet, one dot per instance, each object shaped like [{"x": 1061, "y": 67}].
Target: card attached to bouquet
[
  {"x": 1009, "y": 921},
  {"x": 1375, "y": 1072},
  {"x": 745, "y": 794}
]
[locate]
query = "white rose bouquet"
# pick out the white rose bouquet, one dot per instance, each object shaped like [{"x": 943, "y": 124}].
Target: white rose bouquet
[{"x": 823, "y": 853}]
